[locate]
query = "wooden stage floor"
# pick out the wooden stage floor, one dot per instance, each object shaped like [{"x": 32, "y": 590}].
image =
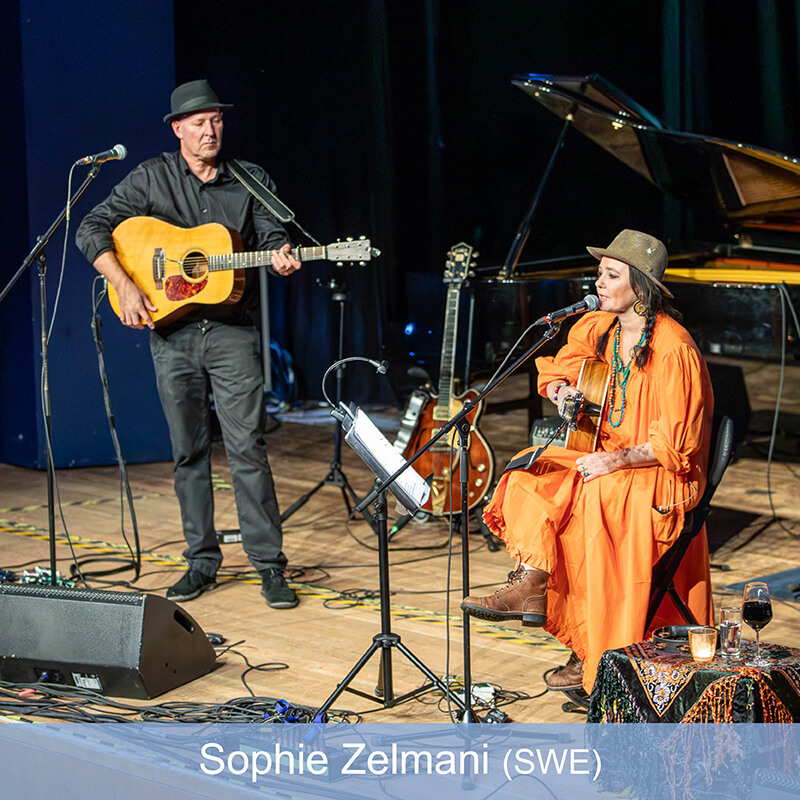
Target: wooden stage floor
[{"x": 333, "y": 566}]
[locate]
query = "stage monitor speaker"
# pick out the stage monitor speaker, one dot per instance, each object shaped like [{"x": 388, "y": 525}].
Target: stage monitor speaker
[
  {"x": 118, "y": 644},
  {"x": 730, "y": 397}
]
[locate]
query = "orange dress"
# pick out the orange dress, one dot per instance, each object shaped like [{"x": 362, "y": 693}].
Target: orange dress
[{"x": 599, "y": 540}]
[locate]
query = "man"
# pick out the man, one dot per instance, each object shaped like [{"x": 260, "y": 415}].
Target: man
[{"x": 213, "y": 348}]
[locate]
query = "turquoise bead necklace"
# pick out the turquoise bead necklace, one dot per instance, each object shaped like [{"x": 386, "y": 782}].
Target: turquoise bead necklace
[{"x": 620, "y": 375}]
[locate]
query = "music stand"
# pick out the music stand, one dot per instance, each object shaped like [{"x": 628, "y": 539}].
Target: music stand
[{"x": 408, "y": 487}]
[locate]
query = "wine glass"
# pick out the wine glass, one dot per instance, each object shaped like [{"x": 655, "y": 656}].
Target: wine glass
[{"x": 757, "y": 612}]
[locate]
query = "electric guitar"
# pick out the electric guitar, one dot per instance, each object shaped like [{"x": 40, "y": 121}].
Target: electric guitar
[
  {"x": 181, "y": 268},
  {"x": 440, "y": 407}
]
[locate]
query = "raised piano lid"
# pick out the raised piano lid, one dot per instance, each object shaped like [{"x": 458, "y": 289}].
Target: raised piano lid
[{"x": 755, "y": 189}]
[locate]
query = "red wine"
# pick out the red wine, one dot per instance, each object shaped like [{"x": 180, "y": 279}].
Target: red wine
[{"x": 757, "y": 613}]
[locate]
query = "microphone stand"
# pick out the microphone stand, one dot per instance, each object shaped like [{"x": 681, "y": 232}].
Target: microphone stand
[
  {"x": 37, "y": 254},
  {"x": 460, "y": 421},
  {"x": 335, "y": 475}
]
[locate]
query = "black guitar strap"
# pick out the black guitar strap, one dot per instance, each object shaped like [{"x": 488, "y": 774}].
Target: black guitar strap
[
  {"x": 526, "y": 460},
  {"x": 523, "y": 462},
  {"x": 265, "y": 196},
  {"x": 260, "y": 191}
]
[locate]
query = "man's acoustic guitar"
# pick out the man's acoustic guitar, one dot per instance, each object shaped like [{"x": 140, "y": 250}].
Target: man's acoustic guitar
[{"x": 181, "y": 268}]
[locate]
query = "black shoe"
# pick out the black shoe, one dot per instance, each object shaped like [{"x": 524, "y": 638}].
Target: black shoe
[
  {"x": 276, "y": 591},
  {"x": 191, "y": 585}
]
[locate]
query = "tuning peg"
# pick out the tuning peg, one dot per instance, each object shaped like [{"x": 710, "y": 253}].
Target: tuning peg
[
  {"x": 349, "y": 238},
  {"x": 361, "y": 238},
  {"x": 362, "y": 263},
  {"x": 340, "y": 263}
]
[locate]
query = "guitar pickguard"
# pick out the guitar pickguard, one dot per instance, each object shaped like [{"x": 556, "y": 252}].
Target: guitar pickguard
[
  {"x": 415, "y": 406},
  {"x": 177, "y": 288}
]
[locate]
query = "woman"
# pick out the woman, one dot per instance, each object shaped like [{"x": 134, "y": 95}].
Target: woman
[{"x": 587, "y": 528}]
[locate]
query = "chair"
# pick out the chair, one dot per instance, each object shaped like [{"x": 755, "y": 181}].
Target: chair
[{"x": 720, "y": 455}]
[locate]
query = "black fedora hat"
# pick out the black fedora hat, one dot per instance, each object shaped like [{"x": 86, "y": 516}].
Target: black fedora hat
[{"x": 193, "y": 96}]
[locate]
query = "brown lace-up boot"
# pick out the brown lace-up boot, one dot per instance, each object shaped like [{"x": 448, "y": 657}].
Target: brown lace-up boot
[
  {"x": 568, "y": 677},
  {"x": 524, "y": 597}
]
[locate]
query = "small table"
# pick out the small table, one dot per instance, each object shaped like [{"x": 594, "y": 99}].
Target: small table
[{"x": 643, "y": 683}]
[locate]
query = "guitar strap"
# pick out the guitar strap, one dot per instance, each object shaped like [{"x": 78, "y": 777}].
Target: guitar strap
[
  {"x": 265, "y": 196},
  {"x": 523, "y": 462},
  {"x": 260, "y": 191},
  {"x": 526, "y": 460}
]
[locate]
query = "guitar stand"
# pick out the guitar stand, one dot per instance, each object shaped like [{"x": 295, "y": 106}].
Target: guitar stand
[
  {"x": 386, "y": 641},
  {"x": 335, "y": 476}
]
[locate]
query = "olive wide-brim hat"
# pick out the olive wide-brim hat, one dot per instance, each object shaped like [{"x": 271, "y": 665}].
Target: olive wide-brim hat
[
  {"x": 639, "y": 250},
  {"x": 191, "y": 97}
]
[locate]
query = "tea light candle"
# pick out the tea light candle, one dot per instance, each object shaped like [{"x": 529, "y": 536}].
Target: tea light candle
[{"x": 703, "y": 643}]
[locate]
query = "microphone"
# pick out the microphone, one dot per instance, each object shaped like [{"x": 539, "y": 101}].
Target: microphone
[
  {"x": 589, "y": 303},
  {"x": 381, "y": 367},
  {"x": 117, "y": 151}
]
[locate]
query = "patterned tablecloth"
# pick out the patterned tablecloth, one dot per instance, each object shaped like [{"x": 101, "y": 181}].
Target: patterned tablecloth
[{"x": 642, "y": 683}]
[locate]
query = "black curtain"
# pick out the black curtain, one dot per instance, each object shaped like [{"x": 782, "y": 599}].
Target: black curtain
[{"x": 398, "y": 121}]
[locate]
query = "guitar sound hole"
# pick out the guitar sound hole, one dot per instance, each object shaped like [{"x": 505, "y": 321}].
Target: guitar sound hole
[{"x": 195, "y": 266}]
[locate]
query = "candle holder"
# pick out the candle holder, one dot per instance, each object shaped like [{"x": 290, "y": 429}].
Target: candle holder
[{"x": 703, "y": 643}]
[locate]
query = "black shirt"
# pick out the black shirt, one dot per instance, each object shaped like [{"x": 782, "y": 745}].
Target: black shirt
[{"x": 165, "y": 188}]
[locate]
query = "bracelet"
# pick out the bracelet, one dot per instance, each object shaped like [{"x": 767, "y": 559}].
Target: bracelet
[{"x": 555, "y": 391}]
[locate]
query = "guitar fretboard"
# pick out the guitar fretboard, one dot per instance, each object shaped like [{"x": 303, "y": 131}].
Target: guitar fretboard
[
  {"x": 447, "y": 364},
  {"x": 260, "y": 258}
]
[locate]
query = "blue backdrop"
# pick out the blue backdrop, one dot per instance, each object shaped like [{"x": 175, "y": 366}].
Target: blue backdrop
[{"x": 70, "y": 98}]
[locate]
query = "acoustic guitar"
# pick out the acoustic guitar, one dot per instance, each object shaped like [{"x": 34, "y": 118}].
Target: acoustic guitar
[
  {"x": 436, "y": 409},
  {"x": 182, "y": 268},
  {"x": 582, "y": 414},
  {"x": 584, "y": 411}
]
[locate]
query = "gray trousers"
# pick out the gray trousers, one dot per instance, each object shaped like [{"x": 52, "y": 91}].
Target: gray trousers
[{"x": 223, "y": 359}]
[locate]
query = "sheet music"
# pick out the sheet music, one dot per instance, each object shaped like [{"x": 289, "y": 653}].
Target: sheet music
[{"x": 379, "y": 455}]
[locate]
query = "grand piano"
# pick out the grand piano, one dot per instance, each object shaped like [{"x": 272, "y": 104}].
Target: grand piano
[{"x": 752, "y": 271}]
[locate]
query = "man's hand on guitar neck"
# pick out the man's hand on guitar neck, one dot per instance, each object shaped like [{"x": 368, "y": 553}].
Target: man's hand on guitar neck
[
  {"x": 283, "y": 262},
  {"x": 134, "y": 304}
]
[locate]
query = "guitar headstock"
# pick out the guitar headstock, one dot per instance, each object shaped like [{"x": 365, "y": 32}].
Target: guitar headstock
[
  {"x": 460, "y": 259},
  {"x": 352, "y": 250}
]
